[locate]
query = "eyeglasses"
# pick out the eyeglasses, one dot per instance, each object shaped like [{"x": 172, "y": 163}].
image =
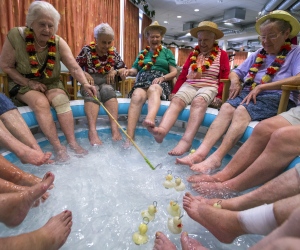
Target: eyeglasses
[{"x": 271, "y": 38}]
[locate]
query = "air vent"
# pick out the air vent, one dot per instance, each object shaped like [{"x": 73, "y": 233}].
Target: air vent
[{"x": 234, "y": 15}]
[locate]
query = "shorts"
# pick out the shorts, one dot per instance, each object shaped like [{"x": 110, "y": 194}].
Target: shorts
[
  {"x": 5, "y": 104},
  {"x": 292, "y": 116},
  {"x": 187, "y": 93},
  {"x": 266, "y": 105},
  {"x": 105, "y": 91}
]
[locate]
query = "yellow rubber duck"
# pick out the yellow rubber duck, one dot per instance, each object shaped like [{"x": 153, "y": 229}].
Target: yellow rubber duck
[
  {"x": 179, "y": 185},
  {"x": 168, "y": 182},
  {"x": 175, "y": 225},
  {"x": 150, "y": 213},
  {"x": 140, "y": 237},
  {"x": 174, "y": 209}
]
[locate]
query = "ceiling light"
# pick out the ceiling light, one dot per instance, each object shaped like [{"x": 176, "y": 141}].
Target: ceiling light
[
  {"x": 178, "y": 16},
  {"x": 196, "y": 10},
  {"x": 165, "y": 21}
]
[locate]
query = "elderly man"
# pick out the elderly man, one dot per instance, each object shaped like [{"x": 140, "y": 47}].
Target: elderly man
[{"x": 197, "y": 85}]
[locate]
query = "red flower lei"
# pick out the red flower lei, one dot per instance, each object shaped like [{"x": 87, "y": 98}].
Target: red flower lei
[
  {"x": 95, "y": 59},
  {"x": 153, "y": 58},
  {"x": 43, "y": 71},
  {"x": 207, "y": 63},
  {"x": 272, "y": 69}
]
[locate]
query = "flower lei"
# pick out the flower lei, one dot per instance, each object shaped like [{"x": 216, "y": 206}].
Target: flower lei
[
  {"x": 271, "y": 70},
  {"x": 43, "y": 71},
  {"x": 141, "y": 57},
  {"x": 95, "y": 59},
  {"x": 207, "y": 63}
]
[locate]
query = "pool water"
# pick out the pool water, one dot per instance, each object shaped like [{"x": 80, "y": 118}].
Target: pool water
[{"x": 109, "y": 188}]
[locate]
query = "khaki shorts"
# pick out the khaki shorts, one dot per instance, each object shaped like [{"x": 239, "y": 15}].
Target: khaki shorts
[
  {"x": 292, "y": 116},
  {"x": 187, "y": 93}
]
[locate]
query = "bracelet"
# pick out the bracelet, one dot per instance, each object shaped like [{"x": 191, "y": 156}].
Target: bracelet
[{"x": 164, "y": 78}]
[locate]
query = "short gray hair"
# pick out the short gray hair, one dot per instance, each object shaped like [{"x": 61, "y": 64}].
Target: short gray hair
[
  {"x": 37, "y": 8},
  {"x": 103, "y": 28},
  {"x": 281, "y": 24}
]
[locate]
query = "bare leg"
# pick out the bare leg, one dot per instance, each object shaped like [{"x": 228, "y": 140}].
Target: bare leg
[
  {"x": 39, "y": 103},
  {"x": 112, "y": 106},
  {"x": 214, "y": 133},
  {"x": 240, "y": 121},
  {"x": 168, "y": 120},
  {"x": 138, "y": 99},
  {"x": 51, "y": 236},
  {"x": 15, "y": 206},
  {"x": 290, "y": 228},
  {"x": 153, "y": 93},
  {"x": 285, "y": 185},
  {"x": 92, "y": 109},
  {"x": 197, "y": 112},
  {"x": 255, "y": 144}
]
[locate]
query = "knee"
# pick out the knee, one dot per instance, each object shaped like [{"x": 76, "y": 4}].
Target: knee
[
  {"x": 263, "y": 128},
  {"x": 155, "y": 88},
  {"x": 227, "y": 110},
  {"x": 199, "y": 102},
  {"x": 41, "y": 104},
  {"x": 283, "y": 134},
  {"x": 61, "y": 104},
  {"x": 138, "y": 96}
]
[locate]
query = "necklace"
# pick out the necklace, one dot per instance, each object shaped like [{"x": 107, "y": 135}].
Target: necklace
[
  {"x": 40, "y": 63},
  {"x": 45, "y": 70},
  {"x": 42, "y": 47},
  {"x": 153, "y": 58},
  {"x": 97, "y": 64},
  {"x": 271, "y": 70},
  {"x": 207, "y": 63}
]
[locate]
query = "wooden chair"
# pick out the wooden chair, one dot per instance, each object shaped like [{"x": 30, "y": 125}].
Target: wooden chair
[{"x": 4, "y": 83}]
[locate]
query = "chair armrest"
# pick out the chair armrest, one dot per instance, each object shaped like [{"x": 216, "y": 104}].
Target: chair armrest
[
  {"x": 4, "y": 81},
  {"x": 226, "y": 87},
  {"x": 286, "y": 90}
]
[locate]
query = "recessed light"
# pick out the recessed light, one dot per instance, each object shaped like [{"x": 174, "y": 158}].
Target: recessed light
[
  {"x": 178, "y": 16},
  {"x": 196, "y": 10},
  {"x": 165, "y": 21}
]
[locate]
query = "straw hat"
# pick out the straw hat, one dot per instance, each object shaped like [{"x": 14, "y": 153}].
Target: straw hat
[
  {"x": 155, "y": 25},
  {"x": 283, "y": 15},
  {"x": 207, "y": 25}
]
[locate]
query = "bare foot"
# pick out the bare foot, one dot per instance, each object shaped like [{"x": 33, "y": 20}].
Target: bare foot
[
  {"x": 202, "y": 178},
  {"x": 162, "y": 242},
  {"x": 190, "y": 159},
  {"x": 78, "y": 149},
  {"x": 61, "y": 154},
  {"x": 148, "y": 123},
  {"x": 182, "y": 147},
  {"x": 127, "y": 144},
  {"x": 54, "y": 233},
  {"x": 214, "y": 189},
  {"x": 208, "y": 165},
  {"x": 188, "y": 243},
  {"x": 18, "y": 204},
  {"x": 116, "y": 135},
  {"x": 35, "y": 157},
  {"x": 223, "y": 224},
  {"x": 94, "y": 138},
  {"x": 158, "y": 133}
]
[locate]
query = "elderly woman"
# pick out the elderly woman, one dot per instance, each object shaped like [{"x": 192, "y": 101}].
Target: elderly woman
[
  {"x": 31, "y": 57},
  {"x": 102, "y": 65},
  {"x": 198, "y": 85},
  {"x": 154, "y": 67},
  {"x": 277, "y": 60}
]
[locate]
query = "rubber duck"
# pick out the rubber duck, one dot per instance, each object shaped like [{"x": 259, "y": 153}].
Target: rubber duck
[
  {"x": 174, "y": 209},
  {"x": 168, "y": 182},
  {"x": 179, "y": 185},
  {"x": 141, "y": 237},
  {"x": 150, "y": 213},
  {"x": 174, "y": 225},
  {"x": 192, "y": 151},
  {"x": 218, "y": 204}
]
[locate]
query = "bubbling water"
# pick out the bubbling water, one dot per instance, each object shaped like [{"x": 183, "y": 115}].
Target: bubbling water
[{"x": 109, "y": 188}]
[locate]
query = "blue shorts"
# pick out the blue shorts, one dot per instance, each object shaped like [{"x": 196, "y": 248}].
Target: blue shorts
[
  {"x": 266, "y": 105},
  {"x": 5, "y": 104}
]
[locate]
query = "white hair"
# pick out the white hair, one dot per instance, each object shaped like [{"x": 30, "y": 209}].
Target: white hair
[
  {"x": 39, "y": 8},
  {"x": 103, "y": 28}
]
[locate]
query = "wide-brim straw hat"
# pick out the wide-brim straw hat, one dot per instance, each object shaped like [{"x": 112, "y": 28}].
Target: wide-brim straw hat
[
  {"x": 283, "y": 15},
  {"x": 155, "y": 26},
  {"x": 209, "y": 26}
]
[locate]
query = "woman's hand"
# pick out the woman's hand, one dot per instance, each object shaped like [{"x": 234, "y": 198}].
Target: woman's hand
[
  {"x": 89, "y": 78},
  {"x": 158, "y": 80},
  {"x": 252, "y": 95},
  {"x": 35, "y": 85},
  {"x": 234, "y": 89},
  {"x": 110, "y": 77},
  {"x": 90, "y": 89}
]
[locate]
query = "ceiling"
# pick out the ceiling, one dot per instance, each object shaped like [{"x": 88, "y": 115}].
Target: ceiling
[{"x": 238, "y": 36}]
